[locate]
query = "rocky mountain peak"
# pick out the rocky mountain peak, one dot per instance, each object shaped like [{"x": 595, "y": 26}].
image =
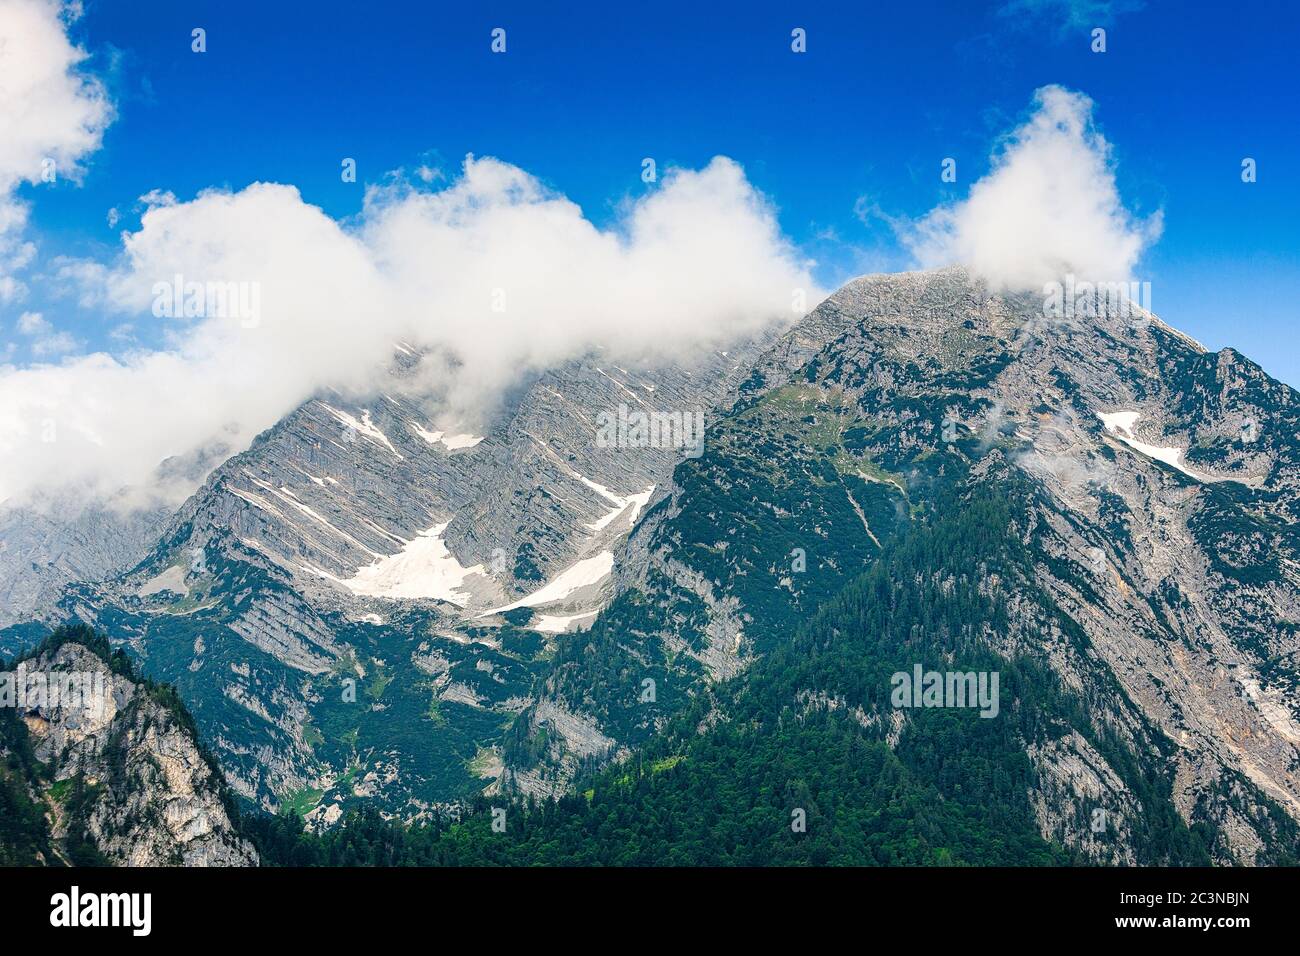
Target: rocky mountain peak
[{"x": 123, "y": 774}]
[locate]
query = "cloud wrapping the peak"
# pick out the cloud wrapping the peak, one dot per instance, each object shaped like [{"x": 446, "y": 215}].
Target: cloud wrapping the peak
[
  {"x": 494, "y": 274},
  {"x": 1048, "y": 207}
]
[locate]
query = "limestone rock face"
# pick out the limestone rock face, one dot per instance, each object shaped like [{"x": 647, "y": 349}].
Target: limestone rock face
[
  {"x": 365, "y": 537},
  {"x": 154, "y": 798},
  {"x": 42, "y": 549}
]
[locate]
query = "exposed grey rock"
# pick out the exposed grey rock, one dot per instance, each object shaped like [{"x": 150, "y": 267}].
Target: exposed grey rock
[
  {"x": 1081, "y": 802},
  {"x": 64, "y": 537},
  {"x": 156, "y": 799},
  {"x": 43, "y": 548}
]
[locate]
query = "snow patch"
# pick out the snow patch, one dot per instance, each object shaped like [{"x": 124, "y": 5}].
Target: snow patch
[
  {"x": 364, "y": 426},
  {"x": 461, "y": 441},
  {"x": 585, "y": 573},
  {"x": 559, "y": 623},
  {"x": 452, "y": 442},
  {"x": 425, "y": 568},
  {"x": 635, "y": 502},
  {"x": 1120, "y": 424}
]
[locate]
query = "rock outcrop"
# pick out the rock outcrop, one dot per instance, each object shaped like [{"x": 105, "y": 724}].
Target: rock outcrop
[{"x": 124, "y": 772}]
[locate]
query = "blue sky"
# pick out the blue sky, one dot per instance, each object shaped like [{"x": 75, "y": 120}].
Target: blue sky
[{"x": 1183, "y": 92}]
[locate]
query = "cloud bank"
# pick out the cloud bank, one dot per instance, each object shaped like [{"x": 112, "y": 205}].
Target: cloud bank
[
  {"x": 264, "y": 300},
  {"x": 494, "y": 275},
  {"x": 1048, "y": 207}
]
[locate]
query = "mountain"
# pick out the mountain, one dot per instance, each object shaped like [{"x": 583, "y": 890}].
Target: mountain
[
  {"x": 338, "y": 604},
  {"x": 1154, "y": 491},
  {"x": 67, "y": 536},
  {"x": 1092, "y": 518},
  {"x": 100, "y": 766}
]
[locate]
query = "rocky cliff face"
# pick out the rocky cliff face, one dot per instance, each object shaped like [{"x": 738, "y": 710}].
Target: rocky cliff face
[
  {"x": 1162, "y": 525},
  {"x": 123, "y": 772},
  {"x": 43, "y": 549},
  {"x": 339, "y": 604}
]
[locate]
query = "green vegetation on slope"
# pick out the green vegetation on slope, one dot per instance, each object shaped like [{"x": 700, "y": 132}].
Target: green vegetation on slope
[{"x": 805, "y": 735}]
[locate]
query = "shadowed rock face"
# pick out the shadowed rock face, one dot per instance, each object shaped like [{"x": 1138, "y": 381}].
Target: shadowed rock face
[
  {"x": 152, "y": 797},
  {"x": 1171, "y": 543}
]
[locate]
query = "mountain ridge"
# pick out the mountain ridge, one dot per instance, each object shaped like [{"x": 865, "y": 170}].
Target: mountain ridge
[
  {"x": 1163, "y": 483},
  {"x": 966, "y": 374}
]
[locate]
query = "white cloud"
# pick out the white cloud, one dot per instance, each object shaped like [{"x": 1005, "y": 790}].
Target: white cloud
[
  {"x": 57, "y": 343},
  {"x": 50, "y": 113},
  {"x": 1049, "y": 206},
  {"x": 32, "y": 323},
  {"x": 157, "y": 197},
  {"x": 696, "y": 262},
  {"x": 46, "y": 342}
]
